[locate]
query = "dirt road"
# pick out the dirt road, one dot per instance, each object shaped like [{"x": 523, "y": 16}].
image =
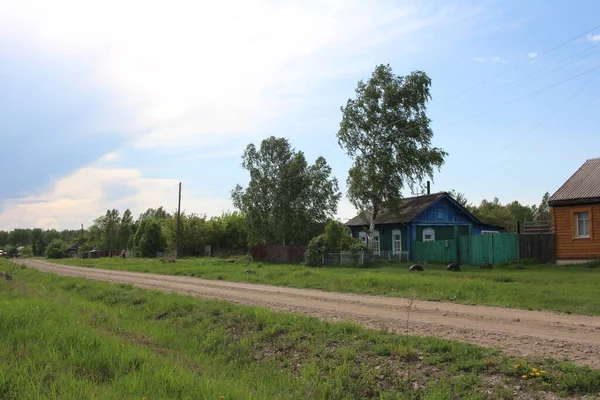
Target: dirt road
[{"x": 516, "y": 332}]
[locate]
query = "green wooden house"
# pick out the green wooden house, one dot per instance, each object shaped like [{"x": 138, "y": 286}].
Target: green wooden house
[{"x": 424, "y": 218}]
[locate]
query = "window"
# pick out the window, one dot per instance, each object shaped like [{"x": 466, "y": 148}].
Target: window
[
  {"x": 428, "y": 235},
  {"x": 376, "y": 243},
  {"x": 397, "y": 241},
  {"x": 363, "y": 237},
  {"x": 582, "y": 225},
  {"x": 489, "y": 232}
]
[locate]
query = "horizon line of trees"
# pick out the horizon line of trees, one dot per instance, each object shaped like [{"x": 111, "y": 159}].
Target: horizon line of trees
[{"x": 156, "y": 230}]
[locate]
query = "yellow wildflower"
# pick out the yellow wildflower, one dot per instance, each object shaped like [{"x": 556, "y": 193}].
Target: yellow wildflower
[
  {"x": 537, "y": 374},
  {"x": 122, "y": 344},
  {"x": 534, "y": 369},
  {"x": 524, "y": 377},
  {"x": 517, "y": 366},
  {"x": 543, "y": 372}
]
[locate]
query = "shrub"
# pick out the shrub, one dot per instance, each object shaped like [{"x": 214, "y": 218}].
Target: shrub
[
  {"x": 315, "y": 250},
  {"x": 56, "y": 249}
]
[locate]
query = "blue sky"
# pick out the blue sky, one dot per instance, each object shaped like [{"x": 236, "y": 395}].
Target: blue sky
[{"x": 111, "y": 104}]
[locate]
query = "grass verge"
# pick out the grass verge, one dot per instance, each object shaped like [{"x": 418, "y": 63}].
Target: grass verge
[
  {"x": 525, "y": 286},
  {"x": 71, "y": 338}
]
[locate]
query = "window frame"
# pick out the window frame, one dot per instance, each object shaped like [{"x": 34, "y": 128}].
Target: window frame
[
  {"x": 397, "y": 250},
  {"x": 577, "y": 220},
  {"x": 431, "y": 232},
  {"x": 575, "y": 211},
  {"x": 376, "y": 242},
  {"x": 363, "y": 237}
]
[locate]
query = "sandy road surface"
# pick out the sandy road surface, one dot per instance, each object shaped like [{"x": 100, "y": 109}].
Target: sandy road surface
[{"x": 516, "y": 332}]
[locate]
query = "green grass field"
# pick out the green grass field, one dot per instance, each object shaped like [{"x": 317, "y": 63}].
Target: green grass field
[
  {"x": 72, "y": 338},
  {"x": 571, "y": 289}
]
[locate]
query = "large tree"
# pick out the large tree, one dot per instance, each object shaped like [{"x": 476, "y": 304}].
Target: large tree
[
  {"x": 286, "y": 198},
  {"x": 385, "y": 130}
]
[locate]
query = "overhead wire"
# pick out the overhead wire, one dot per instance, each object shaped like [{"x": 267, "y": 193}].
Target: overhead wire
[
  {"x": 491, "y": 79},
  {"x": 552, "y": 132}
]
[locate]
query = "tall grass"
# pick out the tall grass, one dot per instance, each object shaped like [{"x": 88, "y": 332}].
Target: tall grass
[
  {"x": 71, "y": 338},
  {"x": 526, "y": 286}
]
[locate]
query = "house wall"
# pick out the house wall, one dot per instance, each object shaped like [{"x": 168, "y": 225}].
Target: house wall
[
  {"x": 443, "y": 211},
  {"x": 567, "y": 246},
  {"x": 385, "y": 235},
  {"x": 442, "y": 232}
]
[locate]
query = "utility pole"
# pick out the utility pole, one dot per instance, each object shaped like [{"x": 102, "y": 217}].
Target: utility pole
[{"x": 178, "y": 222}]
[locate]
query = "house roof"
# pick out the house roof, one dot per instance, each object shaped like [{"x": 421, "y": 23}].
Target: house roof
[
  {"x": 583, "y": 186},
  {"x": 74, "y": 247},
  {"x": 410, "y": 207}
]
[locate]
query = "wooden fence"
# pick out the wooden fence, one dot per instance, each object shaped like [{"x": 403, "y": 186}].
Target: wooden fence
[
  {"x": 541, "y": 247},
  {"x": 278, "y": 253},
  {"x": 494, "y": 249}
]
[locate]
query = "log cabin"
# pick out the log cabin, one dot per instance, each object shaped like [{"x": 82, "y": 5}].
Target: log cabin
[{"x": 576, "y": 215}]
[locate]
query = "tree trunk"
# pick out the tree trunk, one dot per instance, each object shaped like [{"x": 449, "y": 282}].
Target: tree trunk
[{"x": 372, "y": 227}]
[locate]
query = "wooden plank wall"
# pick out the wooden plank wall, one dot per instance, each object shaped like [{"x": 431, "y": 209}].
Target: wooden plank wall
[
  {"x": 541, "y": 247},
  {"x": 569, "y": 248}
]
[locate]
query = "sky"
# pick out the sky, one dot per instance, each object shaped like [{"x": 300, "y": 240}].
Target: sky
[{"x": 111, "y": 104}]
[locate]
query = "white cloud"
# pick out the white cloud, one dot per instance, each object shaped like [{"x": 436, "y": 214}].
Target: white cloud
[
  {"x": 110, "y": 157},
  {"x": 532, "y": 55},
  {"x": 486, "y": 59},
  {"x": 82, "y": 196},
  {"x": 593, "y": 38},
  {"x": 201, "y": 72}
]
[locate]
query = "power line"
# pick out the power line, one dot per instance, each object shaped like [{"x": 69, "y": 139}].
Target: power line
[
  {"x": 478, "y": 114},
  {"x": 540, "y": 140},
  {"x": 551, "y": 113},
  {"x": 525, "y": 80},
  {"x": 519, "y": 65}
]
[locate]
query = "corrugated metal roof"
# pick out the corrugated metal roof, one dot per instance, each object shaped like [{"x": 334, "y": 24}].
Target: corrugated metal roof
[
  {"x": 584, "y": 184},
  {"x": 410, "y": 207}
]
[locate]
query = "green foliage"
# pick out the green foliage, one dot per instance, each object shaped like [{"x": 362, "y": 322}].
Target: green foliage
[
  {"x": 56, "y": 249},
  {"x": 10, "y": 250},
  {"x": 71, "y": 338},
  {"x": 316, "y": 248},
  {"x": 27, "y": 251},
  {"x": 505, "y": 215},
  {"x": 385, "y": 130},
  {"x": 335, "y": 239},
  {"x": 287, "y": 200},
  {"x": 227, "y": 234},
  {"x": 149, "y": 239}
]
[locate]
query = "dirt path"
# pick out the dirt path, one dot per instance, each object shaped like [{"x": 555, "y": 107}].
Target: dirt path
[{"x": 516, "y": 332}]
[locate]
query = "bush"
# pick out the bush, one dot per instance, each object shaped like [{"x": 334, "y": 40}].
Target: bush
[
  {"x": 314, "y": 252},
  {"x": 27, "y": 251},
  {"x": 56, "y": 249}
]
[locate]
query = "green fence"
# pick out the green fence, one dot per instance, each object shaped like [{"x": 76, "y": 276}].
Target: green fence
[
  {"x": 440, "y": 251},
  {"x": 471, "y": 250},
  {"x": 494, "y": 249}
]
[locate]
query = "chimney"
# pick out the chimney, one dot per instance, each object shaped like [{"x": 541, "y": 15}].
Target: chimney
[{"x": 428, "y": 188}]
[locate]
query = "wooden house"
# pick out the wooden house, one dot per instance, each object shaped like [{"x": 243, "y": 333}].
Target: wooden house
[
  {"x": 421, "y": 218},
  {"x": 576, "y": 214}
]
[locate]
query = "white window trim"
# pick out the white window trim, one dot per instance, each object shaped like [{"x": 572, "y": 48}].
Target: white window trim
[
  {"x": 376, "y": 243},
  {"x": 576, "y": 217},
  {"x": 364, "y": 239},
  {"x": 396, "y": 250},
  {"x": 431, "y": 232},
  {"x": 484, "y": 232}
]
